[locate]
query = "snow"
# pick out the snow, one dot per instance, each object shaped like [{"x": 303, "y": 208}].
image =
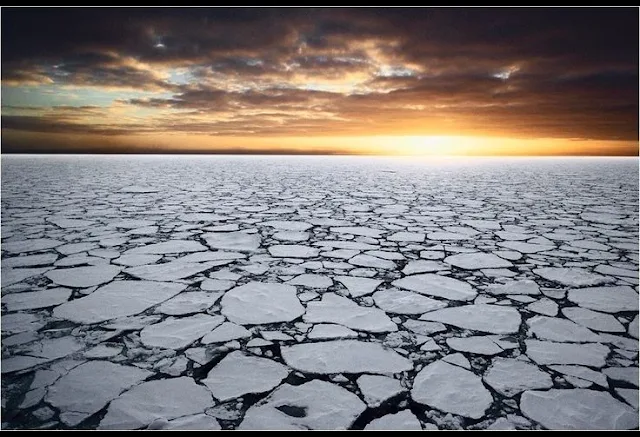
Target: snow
[
  {"x": 36, "y": 299},
  {"x": 340, "y": 253},
  {"x": 615, "y": 271},
  {"x": 577, "y": 409},
  {"x": 437, "y": 285},
  {"x": 629, "y": 395},
  {"x": 451, "y": 389},
  {"x": 407, "y": 237},
  {"x": 372, "y": 261},
  {"x": 86, "y": 389},
  {"x": 544, "y": 306},
  {"x": 510, "y": 376},
  {"x": 68, "y": 249},
  {"x": 606, "y": 299},
  {"x": 457, "y": 359},
  {"x": 359, "y": 286},
  {"x": 325, "y": 331},
  {"x": 377, "y": 389},
  {"x": 83, "y": 276},
  {"x": 238, "y": 374},
  {"x": 479, "y": 344},
  {"x": 291, "y": 236},
  {"x": 423, "y": 328},
  {"x": 386, "y": 206},
  {"x": 226, "y": 332},
  {"x": 20, "y": 362},
  {"x": 547, "y": 352},
  {"x": 477, "y": 260},
  {"x": 556, "y": 329},
  {"x": 313, "y": 405},
  {"x": 482, "y": 317},
  {"x": 188, "y": 303},
  {"x": 219, "y": 255},
  {"x": 261, "y": 302},
  {"x": 626, "y": 374},
  {"x": 275, "y": 335},
  {"x": 402, "y": 420},
  {"x": 571, "y": 277},
  {"x": 405, "y": 302},
  {"x": 31, "y": 245},
  {"x": 526, "y": 287},
  {"x": 421, "y": 266},
  {"x": 167, "y": 247},
  {"x": 593, "y": 319},
  {"x": 312, "y": 281},
  {"x": 117, "y": 299},
  {"x": 293, "y": 251},
  {"x": 344, "y": 356},
  {"x": 216, "y": 285},
  {"x": 147, "y": 402},
  {"x": 343, "y": 311},
  {"x": 28, "y": 260},
  {"x": 170, "y": 271},
  {"x": 21, "y": 322},
  {"x": 358, "y": 230},
  {"x": 522, "y": 247},
  {"x": 240, "y": 241},
  {"x": 179, "y": 333},
  {"x": 583, "y": 373},
  {"x": 103, "y": 351},
  {"x": 132, "y": 260},
  {"x": 385, "y": 254},
  {"x": 195, "y": 422},
  {"x": 288, "y": 225}
]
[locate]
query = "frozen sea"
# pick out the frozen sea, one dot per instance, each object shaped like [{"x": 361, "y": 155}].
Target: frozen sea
[{"x": 246, "y": 292}]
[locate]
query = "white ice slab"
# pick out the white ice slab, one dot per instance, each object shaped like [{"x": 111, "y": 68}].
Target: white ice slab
[
  {"x": 402, "y": 420},
  {"x": 405, "y": 302},
  {"x": 313, "y": 405},
  {"x": 577, "y": 409},
  {"x": 168, "y": 247},
  {"x": 36, "y": 299},
  {"x": 226, "y": 332},
  {"x": 238, "y": 374},
  {"x": 344, "y": 356},
  {"x": 83, "y": 277},
  {"x": 606, "y": 299},
  {"x": 179, "y": 333},
  {"x": 571, "y": 276},
  {"x": 240, "y": 241},
  {"x": 359, "y": 286},
  {"x": 487, "y": 318},
  {"x": 147, "y": 402},
  {"x": 451, "y": 389},
  {"x": 510, "y": 376},
  {"x": 477, "y": 260},
  {"x": 261, "y": 302},
  {"x": 343, "y": 311},
  {"x": 593, "y": 320},
  {"x": 437, "y": 285},
  {"x": 377, "y": 388},
  {"x": 117, "y": 299},
  {"x": 90, "y": 386},
  {"x": 586, "y": 354}
]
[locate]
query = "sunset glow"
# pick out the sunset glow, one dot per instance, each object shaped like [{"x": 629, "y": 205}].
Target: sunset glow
[{"x": 426, "y": 81}]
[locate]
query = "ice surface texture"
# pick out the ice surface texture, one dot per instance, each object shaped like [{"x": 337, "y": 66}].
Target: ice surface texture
[{"x": 319, "y": 293}]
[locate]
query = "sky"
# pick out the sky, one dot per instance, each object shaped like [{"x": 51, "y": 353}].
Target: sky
[{"x": 417, "y": 81}]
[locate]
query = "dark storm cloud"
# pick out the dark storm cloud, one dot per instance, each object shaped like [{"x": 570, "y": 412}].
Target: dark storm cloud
[{"x": 534, "y": 72}]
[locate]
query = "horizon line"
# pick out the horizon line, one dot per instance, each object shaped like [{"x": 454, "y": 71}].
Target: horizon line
[{"x": 276, "y": 153}]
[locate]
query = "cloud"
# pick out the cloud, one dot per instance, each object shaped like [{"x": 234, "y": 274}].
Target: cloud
[{"x": 549, "y": 72}]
